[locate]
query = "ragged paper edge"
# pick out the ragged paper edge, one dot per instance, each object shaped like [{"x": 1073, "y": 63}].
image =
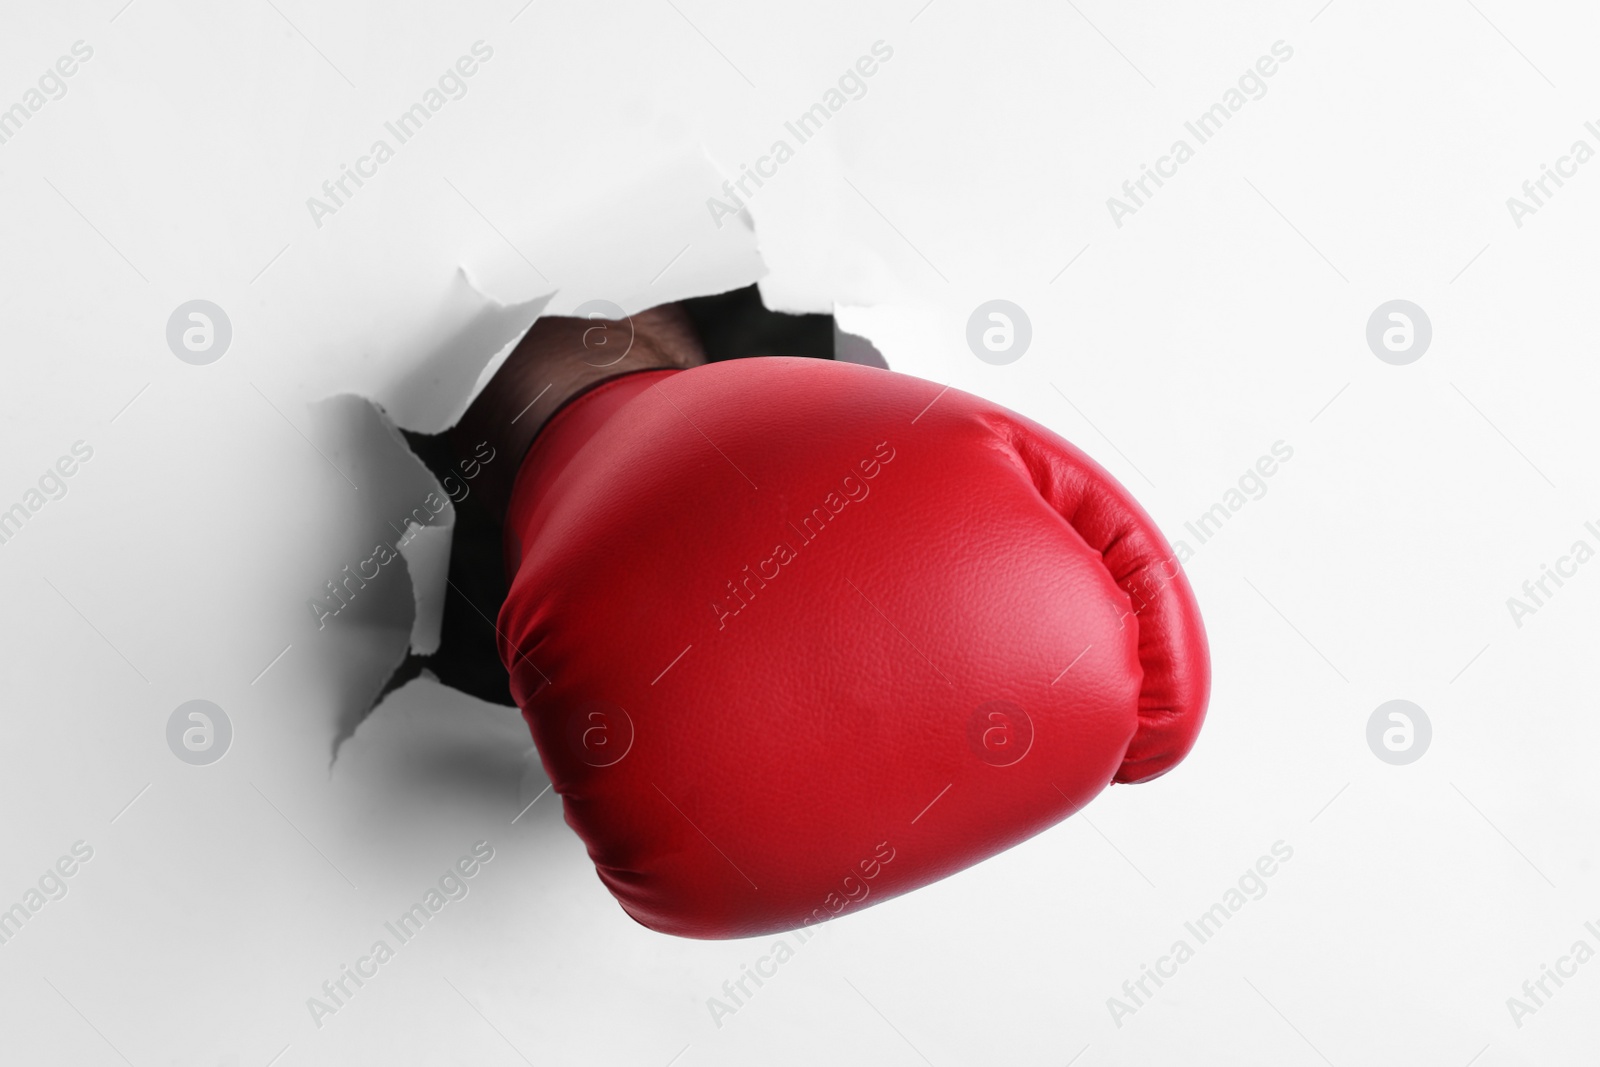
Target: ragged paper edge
[
  {"x": 433, "y": 399},
  {"x": 430, "y": 398},
  {"x": 658, "y": 216}
]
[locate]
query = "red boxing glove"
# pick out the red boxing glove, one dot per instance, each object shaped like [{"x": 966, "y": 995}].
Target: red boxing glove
[{"x": 794, "y": 636}]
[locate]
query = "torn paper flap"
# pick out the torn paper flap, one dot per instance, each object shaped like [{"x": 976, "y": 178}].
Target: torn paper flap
[
  {"x": 647, "y": 239},
  {"x": 427, "y": 553}
]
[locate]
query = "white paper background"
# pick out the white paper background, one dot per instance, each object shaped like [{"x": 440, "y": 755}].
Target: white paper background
[{"x": 1226, "y": 315}]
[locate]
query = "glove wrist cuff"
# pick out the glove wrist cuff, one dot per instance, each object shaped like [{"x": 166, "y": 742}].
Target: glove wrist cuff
[
  {"x": 565, "y": 432},
  {"x": 558, "y": 360}
]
